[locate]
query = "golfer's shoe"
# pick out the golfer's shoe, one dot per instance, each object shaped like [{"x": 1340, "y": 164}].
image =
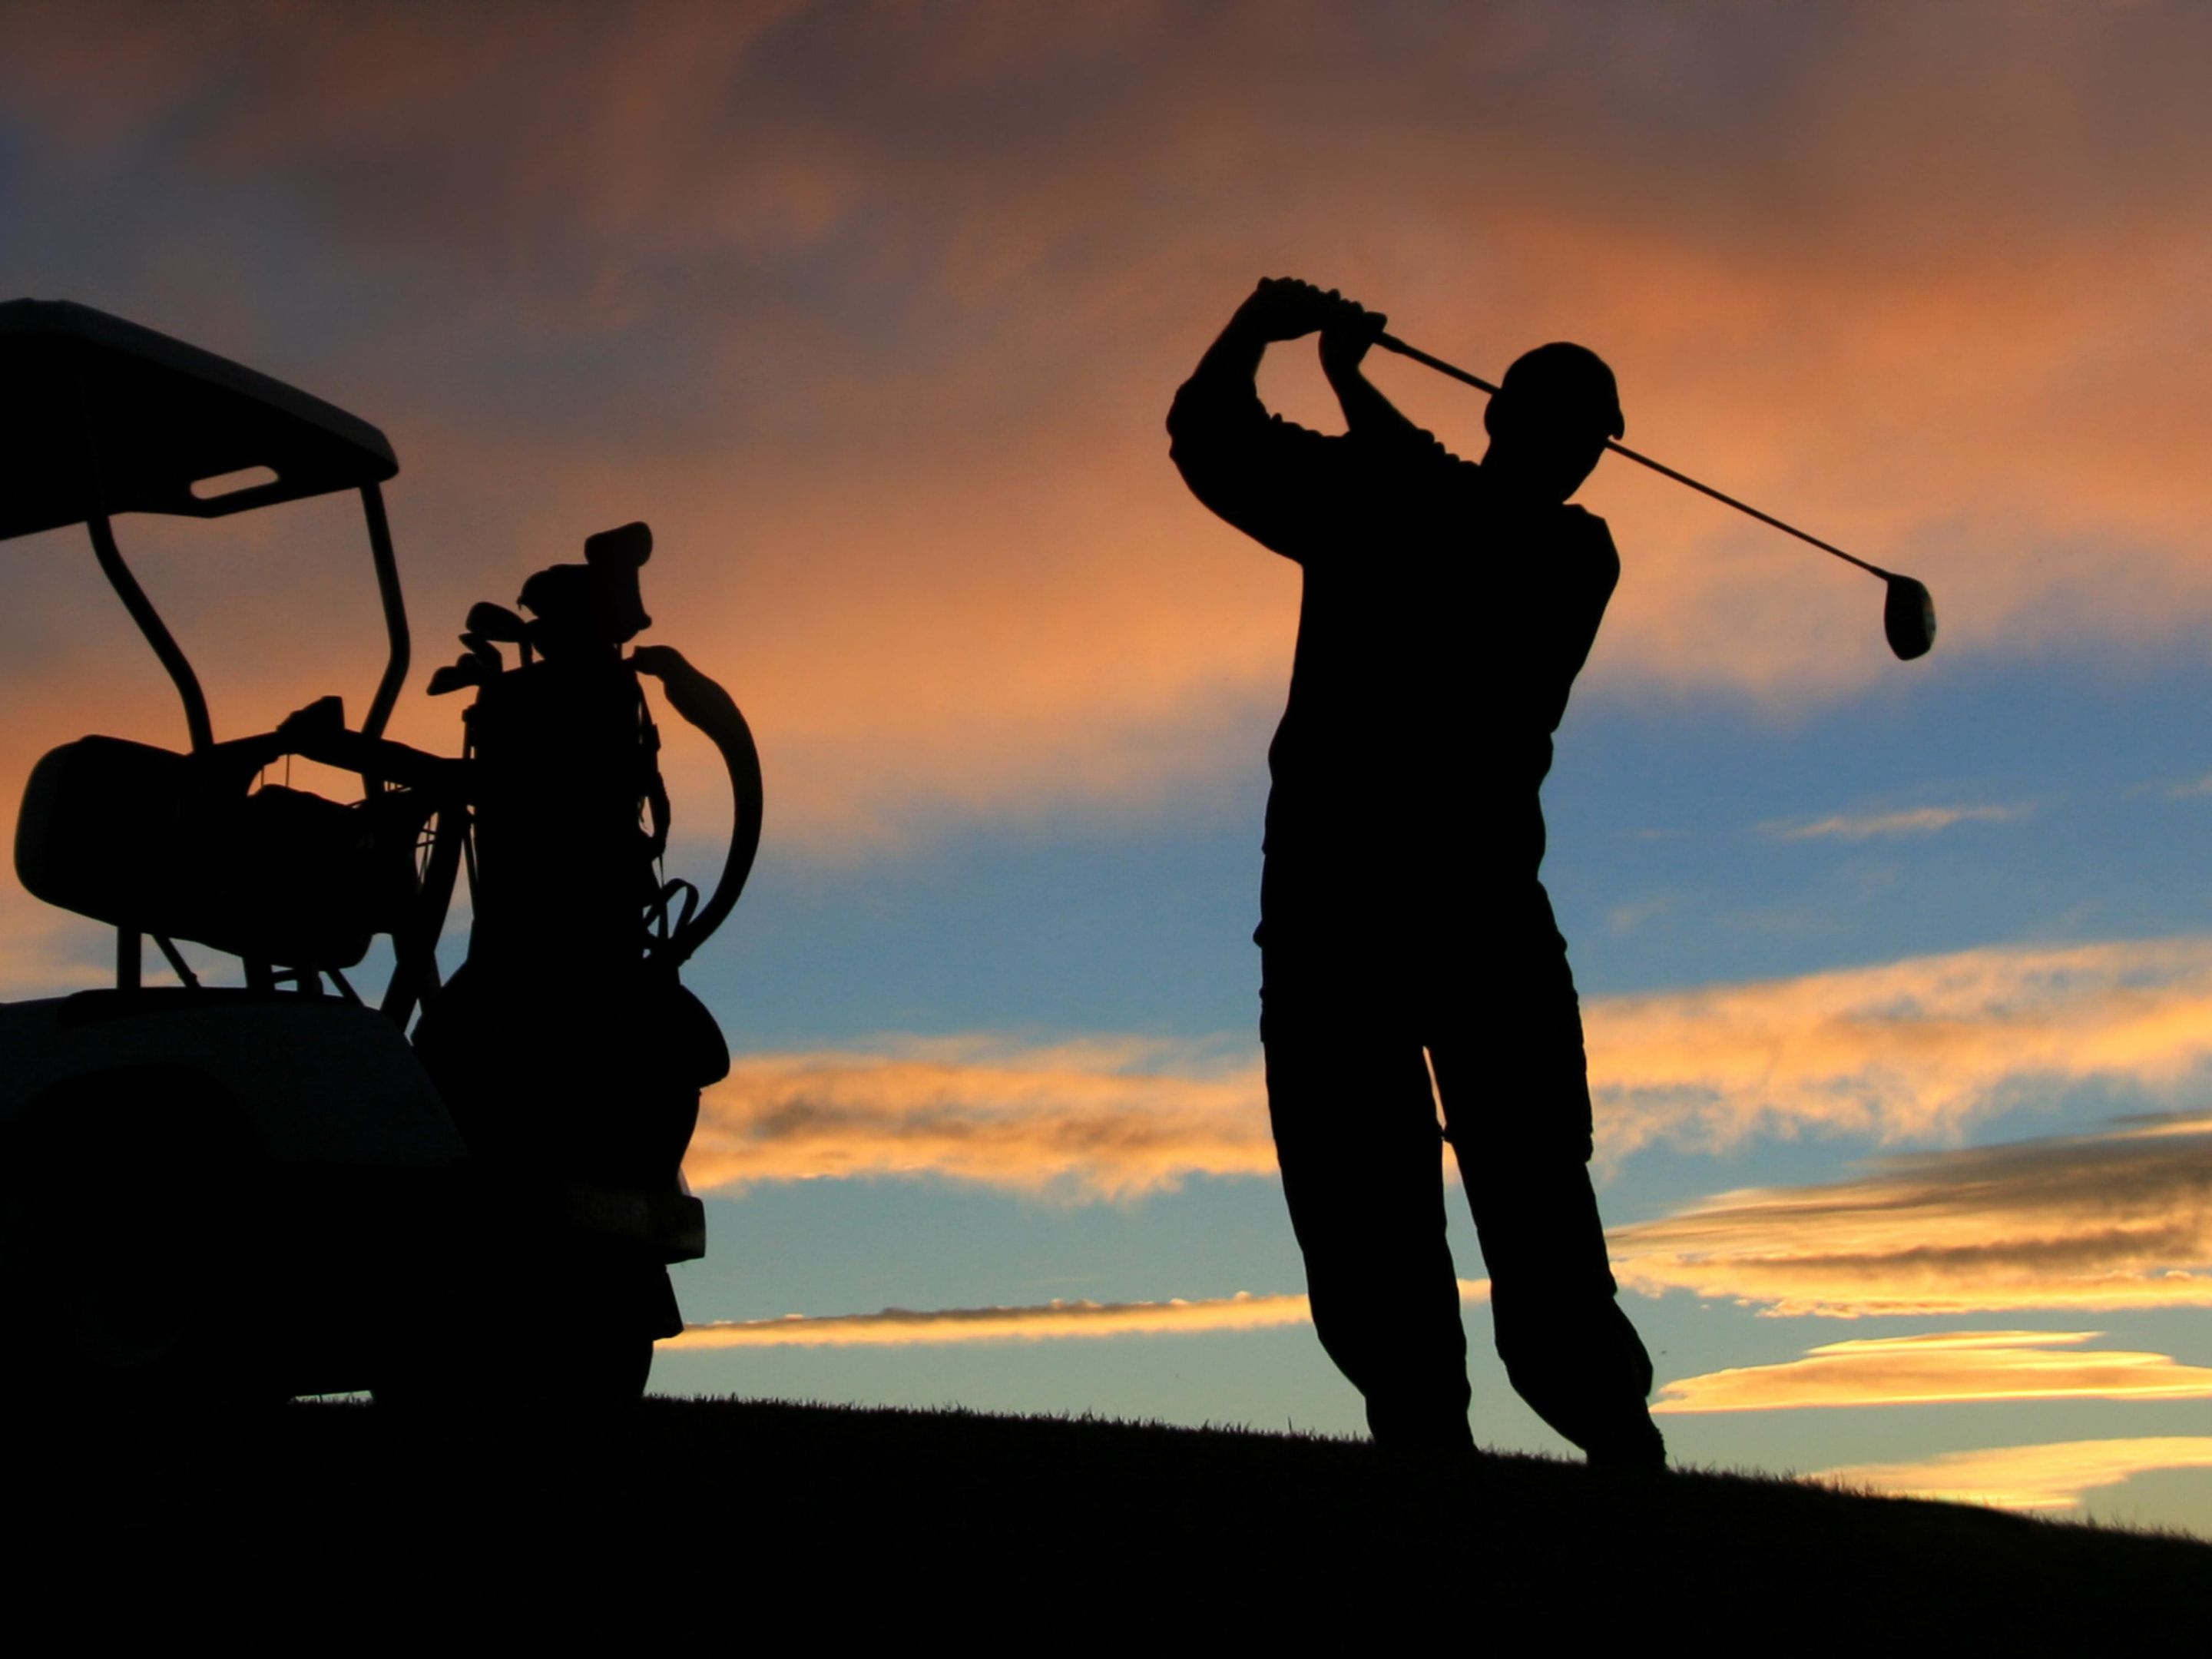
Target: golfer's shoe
[{"x": 1640, "y": 1447}]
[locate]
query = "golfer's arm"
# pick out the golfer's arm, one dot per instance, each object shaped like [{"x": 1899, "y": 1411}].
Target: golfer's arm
[
  {"x": 1233, "y": 359},
  {"x": 1368, "y": 415},
  {"x": 1274, "y": 480}
]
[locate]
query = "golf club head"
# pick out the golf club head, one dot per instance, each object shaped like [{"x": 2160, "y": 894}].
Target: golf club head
[{"x": 1908, "y": 617}]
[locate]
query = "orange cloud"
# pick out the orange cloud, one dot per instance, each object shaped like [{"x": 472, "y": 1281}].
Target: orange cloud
[
  {"x": 876, "y": 317},
  {"x": 1104, "y": 1118},
  {"x": 2054, "y": 1476},
  {"x": 2115, "y": 1220},
  {"x": 901, "y": 1327},
  {"x": 1909, "y": 1049},
  {"x": 1966, "y": 1365},
  {"x": 898, "y": 1327},
  {"x": 1914, "y": 1049}
]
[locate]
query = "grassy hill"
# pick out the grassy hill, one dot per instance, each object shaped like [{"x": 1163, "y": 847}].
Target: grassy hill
[{"x": 774, "y": 1526}]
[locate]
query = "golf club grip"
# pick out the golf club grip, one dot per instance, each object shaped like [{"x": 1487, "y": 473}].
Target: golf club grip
[{"x": 1392, "y": 342}]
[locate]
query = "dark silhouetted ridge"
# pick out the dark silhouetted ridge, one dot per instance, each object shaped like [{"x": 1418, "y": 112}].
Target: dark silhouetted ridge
[{"x": 732, "y": 1519}]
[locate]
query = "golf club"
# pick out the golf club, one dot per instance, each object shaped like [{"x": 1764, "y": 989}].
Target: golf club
[{"x": 1908, "y": 615}]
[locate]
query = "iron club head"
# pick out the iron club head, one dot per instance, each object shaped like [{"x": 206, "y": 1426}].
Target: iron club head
[{"x": 1908, "y": 617}]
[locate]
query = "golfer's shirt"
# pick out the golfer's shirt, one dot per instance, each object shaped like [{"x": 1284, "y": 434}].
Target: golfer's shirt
[{"x": 1439, "y": 633}]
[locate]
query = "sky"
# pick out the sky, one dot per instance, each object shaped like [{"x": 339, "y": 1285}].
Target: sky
[{"x": 1898, "y": 977}]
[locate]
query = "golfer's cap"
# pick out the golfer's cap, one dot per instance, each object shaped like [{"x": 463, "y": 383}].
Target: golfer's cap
[{"x": 1564, "y": 384}]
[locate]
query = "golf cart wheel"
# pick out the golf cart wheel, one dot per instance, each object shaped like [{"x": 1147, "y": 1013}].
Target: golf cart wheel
[{"x": 127, "y": 1312}]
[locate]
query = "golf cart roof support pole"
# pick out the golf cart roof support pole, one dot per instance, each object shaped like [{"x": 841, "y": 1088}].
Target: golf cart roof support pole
[
  {"x": 1391, "y": 342},
  {"x": 151, "y": 625},
  {"x": 156, "y": 631},
  {"x": 395, "y": 613}
]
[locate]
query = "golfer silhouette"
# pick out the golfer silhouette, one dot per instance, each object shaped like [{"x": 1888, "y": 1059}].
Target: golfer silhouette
[{"x": 1447, "y": 607}]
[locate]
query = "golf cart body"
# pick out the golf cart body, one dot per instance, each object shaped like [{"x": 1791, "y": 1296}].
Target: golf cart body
[{"x": 256, "y": 1187}]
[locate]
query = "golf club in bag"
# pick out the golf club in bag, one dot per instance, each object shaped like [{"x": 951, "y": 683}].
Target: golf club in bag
[{"x": 1908, "y": 615}]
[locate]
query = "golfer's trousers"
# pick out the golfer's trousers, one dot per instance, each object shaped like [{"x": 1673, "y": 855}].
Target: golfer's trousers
[{"x": 1351, "y": 1022}]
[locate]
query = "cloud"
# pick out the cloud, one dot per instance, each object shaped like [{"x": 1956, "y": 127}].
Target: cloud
[
  {"x": 875, "y": 315},
  {"x": 2054, "y": 1476},
  {"x": 1915, "y": 1049},
  {"x": 2120, "y": 1219},
  {"x": 1051, "y": 1321},
  {"x": 1108, "y": 1117},
  {"x": 1867, "y": 826},
  {"x": 1625, "y": 919},
  {"x": 1964, "y": 1366}
]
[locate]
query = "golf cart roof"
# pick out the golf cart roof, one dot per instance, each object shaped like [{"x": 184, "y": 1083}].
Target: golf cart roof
[{"x": 98, "y": 412}]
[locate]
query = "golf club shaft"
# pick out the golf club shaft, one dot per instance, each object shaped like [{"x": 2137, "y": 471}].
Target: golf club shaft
[{"x": 1391, "y": 342}]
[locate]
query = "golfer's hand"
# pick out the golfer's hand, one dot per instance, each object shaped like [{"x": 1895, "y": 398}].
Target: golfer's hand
[
  {"x": 1345, "y": 337},
  {"x": 1284, "y": 308}
]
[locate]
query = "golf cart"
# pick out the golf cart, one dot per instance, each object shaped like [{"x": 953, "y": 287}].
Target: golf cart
[{"x": 260, "y": 1190}]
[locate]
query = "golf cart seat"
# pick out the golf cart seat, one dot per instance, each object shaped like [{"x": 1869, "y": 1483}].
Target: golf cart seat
[{"x": 172, "y": 845}]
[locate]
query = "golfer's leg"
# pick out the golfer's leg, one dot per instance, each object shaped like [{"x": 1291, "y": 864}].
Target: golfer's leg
[
  {"x": 1356, "y": 1136},
  {"x": 1516, "y": 1094}
]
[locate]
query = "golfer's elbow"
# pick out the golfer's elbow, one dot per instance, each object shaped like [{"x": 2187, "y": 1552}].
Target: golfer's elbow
[
  {"x": 1189, "y": 415},
  {"x": 1199, "y": 429}
]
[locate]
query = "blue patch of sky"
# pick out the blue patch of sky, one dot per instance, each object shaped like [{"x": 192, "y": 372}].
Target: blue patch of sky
[
  {"x": 1665, "y": 876},
  {"x": 1663, "y": 864},
  {"x": 854, "y": 1247}
]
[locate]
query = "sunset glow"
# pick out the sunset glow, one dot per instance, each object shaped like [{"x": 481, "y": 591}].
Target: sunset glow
[
  {"x": 2105, "y": 1221},
  {"x": 2058, "y": 1476},
  {"x": 902, "y": 1327},
  {"x": 1896, "y": 976},
  {"x": 1905, "y": 1371}
]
